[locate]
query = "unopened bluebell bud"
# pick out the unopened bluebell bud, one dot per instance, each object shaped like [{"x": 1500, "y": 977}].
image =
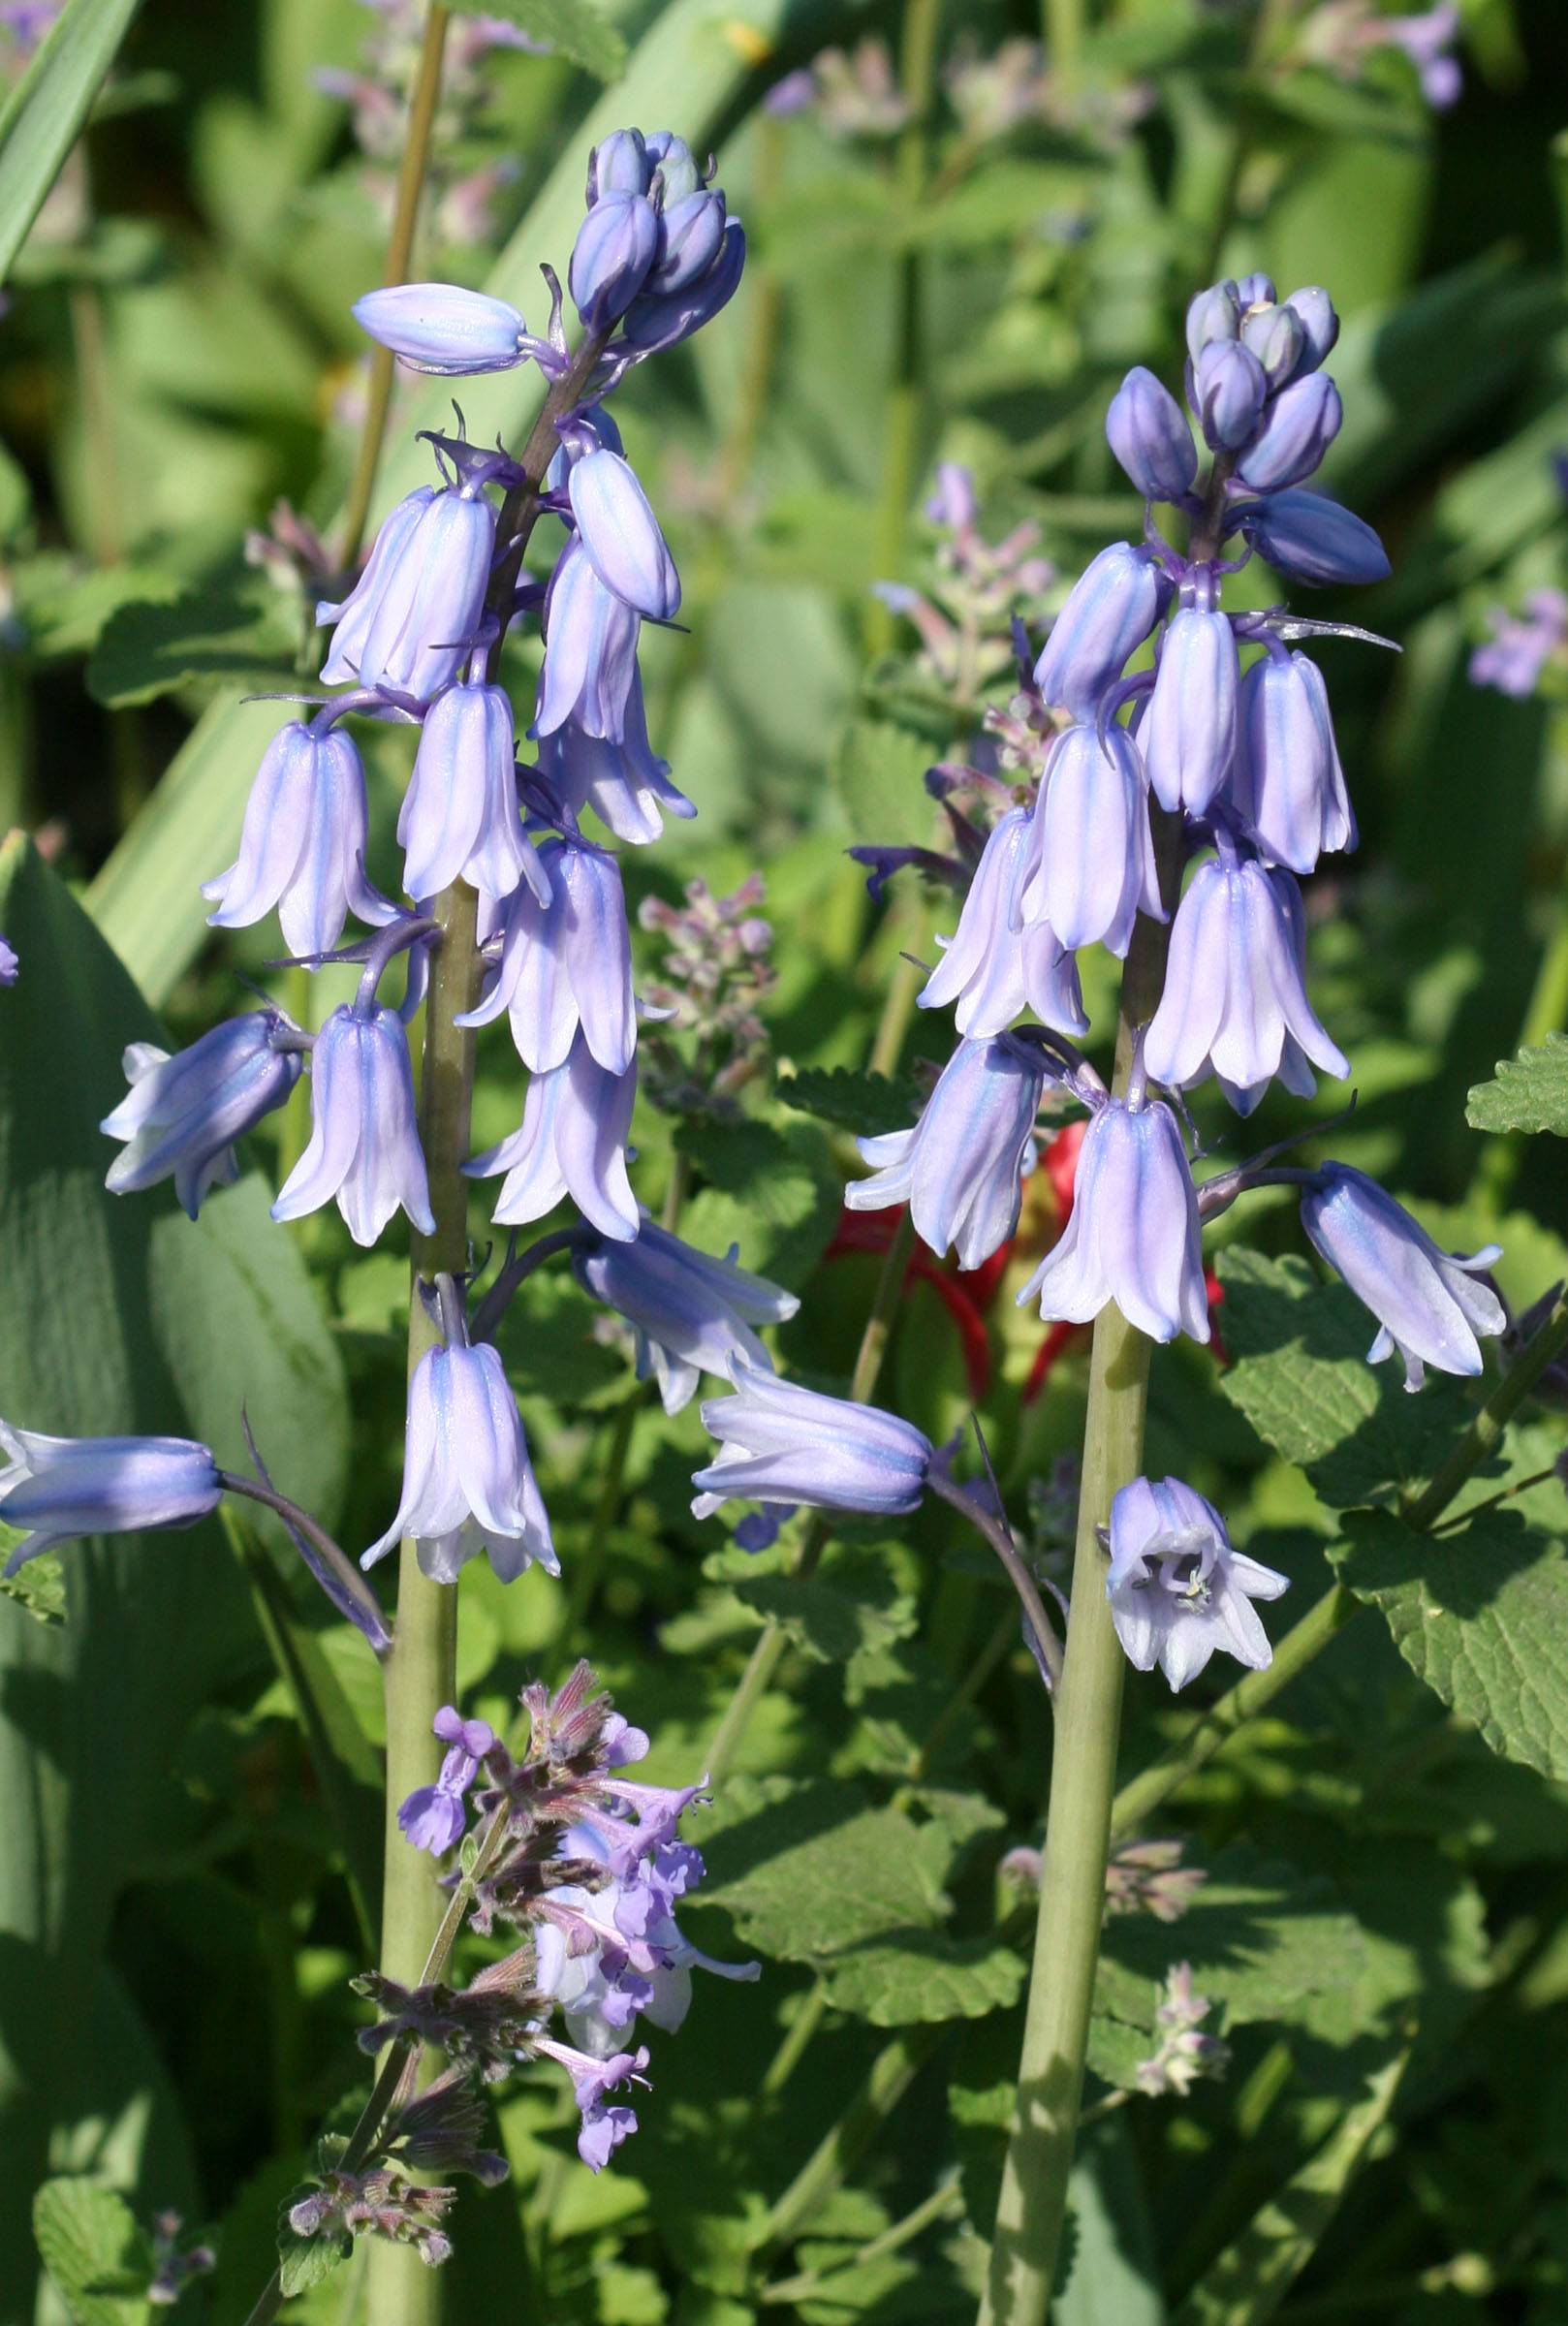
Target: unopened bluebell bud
[
  {"x": 1313, "y": 310},
  {"x": 618, "y": 165},
  {"x": 1427, "y": 1301},
  {"x": 1212, "y": 318},
  {"x": 693, "y": 233},
  {"x": 59, "y": 1489},
  {"x": 1133, "y": 1235},
  {"x": 615, "y": 246},
  {"x": 1110, "y": 610},
  {"x": 621, "y": 536},
  {"x": 1311, "y": 539},
  {"x": 1231, "y": 393},
  {"x": 182, "y": 1115},
  {"x": 444, "y": 329},
  {"x": 1276, "y": 337},
  {"x": 413, "y": 618},
  {"x": 1188, "y": 733},
  {"x": 676, "y": 165},
  {"x": 566, "y": 963},
  {"x": 961, "y": 1168},
  {"x": 1092, "y": 867},
  {"x": 461, "y": 819},
  {"x": 1147, "y": 430},
  {"x": 1254, "y": 291},
  {"x": 364, "y": 1143},
  {"x": 303, "y": 845},
  {"x": 691, "y": 1313},
  {"x": 1289, "y": 787},
  {"x": 663, "y": 320},
  {"x": 780, "y": 1443},
  {"x": 1298, "y": 428}
]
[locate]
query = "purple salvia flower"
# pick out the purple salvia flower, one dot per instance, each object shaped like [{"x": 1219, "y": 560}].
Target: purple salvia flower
[
  {"x": 468, "y": 1484},
  {"x": 1288, "y": 787},
  {"x": 1428, "y": 1305},
  {"x": 1298, "y": 428},
  {"x": 412, "y": 618},
  {"x": 691, "y": 1313},
  {"x": 1519, "y": 648},
  {"x": 461, "y": 818},
  {"x": 10, "y": 965},
  {"x": 1133, "y": 1233},
  {"x": 1177, "y": 1588},
  {"x": 303, "y": 845},
  {"x": 960, "y": 1169},
  {"x": 615, "y": 249},
  {"x": 364, "y": 1143},
  {"x": 441, "y": 327},
  {"x": 571, "y": 1140},
  {"x": 605, "y": 2126},
  {"x": 781, "y": 1443},
  {"x": 1147, "y": 430},
  {"x": 991, "y": 968},
  {"x": 182, "y": 1115},
  {"x": 1110, "y": 610},
  {"x": 590, "y": 651},
  {"x": 566, "y": 963},
  {"x": 1309, "y": 538},
  {"x": 621, "y": 537},
  {"x": 1235, "y": 1001},
  {"x": 1188, "y": 735},
  {"x": 1092, "y": 864},
  {"x": 58, "y": 1489},
  {"x": 1231, "y": 392},
  {"x": 625, "y": 784},
  {"x": 434, "y": 1817}
]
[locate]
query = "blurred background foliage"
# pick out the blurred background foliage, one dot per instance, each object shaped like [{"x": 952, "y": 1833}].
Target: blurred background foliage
[{"x": 957, "y": 249}]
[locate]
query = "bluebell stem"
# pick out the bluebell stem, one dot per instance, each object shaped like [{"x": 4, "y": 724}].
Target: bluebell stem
[
  {"x": 691, "y": 1313},
  {"x": 1177, "y": 1590},
  {"x": 1091, "y": 868},
  {"x": 364, "y": 1147},
  {"x": 1289, "y": 788},
  {"x": 1308, "y": 538},
  {"x": 441, "y": 327},
  {"x": 994, "y": 970},
  {"x": 1148, "y": 434},
  {"x": 302, "y": 846},
  {"x": 624, "y": 783},
  {"x": 621, "y": 536},
  {"x": 1429, "y": 1303},
  {"x": 565, "y": 963},
  {"x": 571, "y": 1140},
  {"x": 960, "y": 1169},
  {"x": 1133, "y": 1235},
  {"x": 1235, "y": 1002},
  {"x": 182, "y": 1115},
  {"x": 783, "y": 1444},
  {"x": 1110, "y": 610},
  {"x": 412, "y": 618},
  {"x": 590, "y": 651},
  {"x": 434, "y": 1817},
  {"x": 58, "y": 1489},
  {"x": 468, "y": 1484},
  {"x": 461, "y": 818},
  {"x": 1189, "y": 732}
]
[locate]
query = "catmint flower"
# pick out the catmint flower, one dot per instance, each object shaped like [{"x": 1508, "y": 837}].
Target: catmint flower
[
  {"x": 961, "y": 1168},
  {"x": 1289, "y": 787},
  {"x": 468, "y": 1484},
  {"x": 58, "y": 1489},
  {"x": 615, "y": 249},
  {"x": 625, "y": 784},
  {"x": 1092, "y": 864},
  {"x": 303, "y": 845},
  {"x": 364, "y": 1143},
  {"x": 412, "y": 617},
  {"x": 1184, "y": 2056},
  {"x": 1188, "y": 735},
  {"x": 1177, "y": 1588},
  {"x": 1428, "y": 1305},
  {"x": 621, "y": 536},
  {"x": 1235, "y": 1001},
  {"x": 1133, "y": 1235},
  {"x": 1110, "y": 610},
  {"x": 1309, "y": 538},
  {"x": 1213, "y": 317},
  {"x": 566, "y": 963},
  {"x": 1514, "y": 655},
  {"x": 1231, "y": 393},
  {"x": 10, "y": 965},
  {"x": 182, "y": 1115},
  {"x": 691, "y": 1313},
  {"x": 783, "y": 1444},
  {"x": 993, "y": 970},
  {"x": 590, "y": 651},
  {"x": 440, "y": 327},
  {"x": 1298, "y": 428},
  {"x": 571, "y": 1140},
  {"x": 461, "y": 818},
  {"x": 434, "y": 1817},
  {"x": 1148, "y": 434}
]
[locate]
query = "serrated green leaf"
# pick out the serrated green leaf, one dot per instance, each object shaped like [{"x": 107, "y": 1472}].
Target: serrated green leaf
[
  {"x": 923, "y": 1978},
  {"x": 879, "y": 770},
  {"x": 1529, "y": 1094},
  {"x": 1480, "y": 1614},
  {"x": 868, "y": 1104},
  {"x": 97, "y": 2256},
  {"x": 304, "y": 2261},
  {"x": 572, "y": 28},
  {"x": 47, "y": 107},
  {"x": 809, "y": 1870},
  {"x": 833, "y": 1618},
  {"x": 1300, "y": 1376},
  {"x": 229, "y": 632},
  {"x": 39, "y": 1586},
  {"x": 772, "y": 1189}
]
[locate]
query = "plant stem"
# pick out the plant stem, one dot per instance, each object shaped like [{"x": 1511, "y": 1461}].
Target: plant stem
[
  {"x": 999, "y": 1536},
  {"x": 1062, "y": 23},
  {"x": 426, "y": 95},
  {"x": 947, "y": 2198},
  {"x": 1547, "y": 1343},
  {"x": 891, "y": 2072}
]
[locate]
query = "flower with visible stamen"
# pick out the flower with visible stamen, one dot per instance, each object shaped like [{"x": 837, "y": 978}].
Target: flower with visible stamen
[{"x": 1177, "y": 1590}]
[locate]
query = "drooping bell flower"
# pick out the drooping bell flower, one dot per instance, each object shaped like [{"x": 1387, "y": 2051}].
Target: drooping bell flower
[
  {"x": 621, "y": 537},
  {"x": 365, "y": 1148},
  {"x": 1133, "y": 1235},
  {"x": 961, "y": 1168},
  {"x": 571, "y": 1140},
  {"x": 991, "y": 967},
  {"x": 1177, "y": 1590},
  {"x": 1309, "y": 538},
  {"x": 1288, "y": 787},
  {"x": 691, "y": 1313},
  {"x": 1188, "y": 735},
  {"x": 182, "y": 1115},
  {"x": 1110, "y": 610},
  {"x": 783, "y": 1444},
  {"x": 302, "y": 846},
  {"x": 1429, "y": 1303},
  {"x": 58, "y": 1489},
  {"x": 566, "y": 963},
  {"x": 413, "y": 617},
  {"x": 461, "y": 819},
  {"x": 590, "y": 651},
  {"x": 1091, "y": 868},
  {"x": 625, "y": 784}
]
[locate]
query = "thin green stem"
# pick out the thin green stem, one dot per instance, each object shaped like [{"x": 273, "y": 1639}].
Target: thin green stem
[
  {"x": 422, "y": 103},
  {"x": 1485, "y": 1433},
  {"x": 945, "y": 2200},
  {"x": 1062, "y": 23},
  {"x": 979, "y": 1671},
  {"x": 891, "y": 2072},
  {"x": 1546, "y": 1013},
  {"x": 802, "y": 2028},
  {"x": 998, "y": 1535}
]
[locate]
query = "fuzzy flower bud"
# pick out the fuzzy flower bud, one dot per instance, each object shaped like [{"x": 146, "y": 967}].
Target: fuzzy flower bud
[{"x": 1427, "y": 1304}]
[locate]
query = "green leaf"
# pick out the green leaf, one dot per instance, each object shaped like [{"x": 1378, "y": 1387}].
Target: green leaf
[
  {"x": 39, "y": 1586},
  {"x": 1480, "y": 1614},
  {"x": 809, "y": 1870},
  {"x": 47, "y": 107},
  {"x": 232, "y": 630},
  {"x": 572, "y": 28},
  {"x": 925, "y": 1977},
  {"x": 1529, "y": 1094},
  {"x": 1300, "y": 1376},
  {"x": 1253, "y": 2274},
  {"x": 879, "y": 771},
  {"x": 868, "y": 1104},
  {"x": 98, "y": 2257},
  {"x": 858, "y": 1605},
  {"x": 304, "y": 2261},
  {"x": 772, "y": 1189}
]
